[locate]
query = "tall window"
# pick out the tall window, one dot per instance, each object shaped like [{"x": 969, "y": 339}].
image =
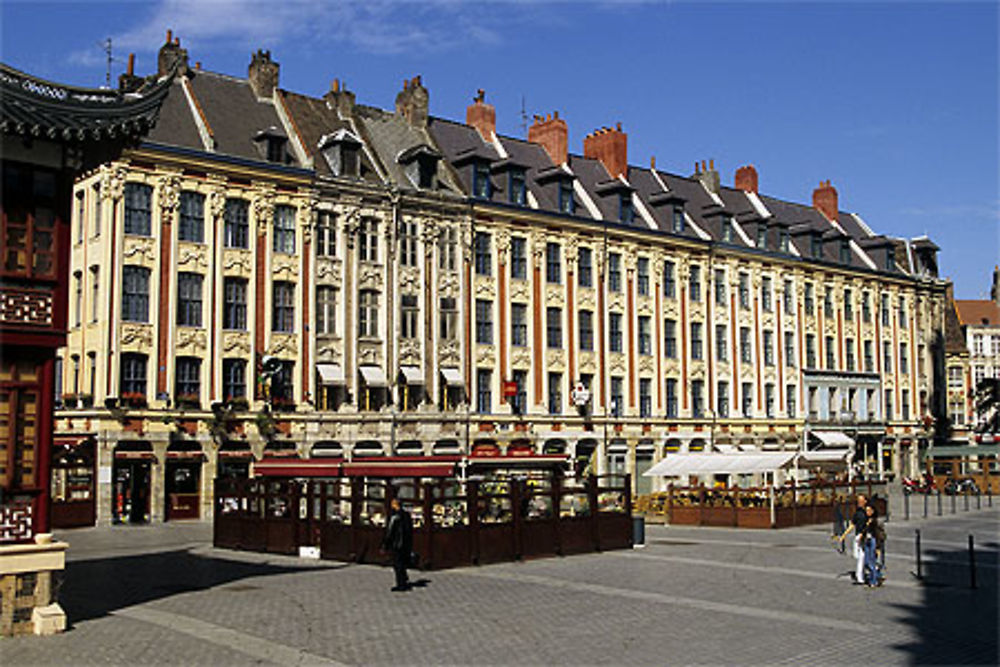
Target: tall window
[
  {"x": 283, "y": 310},
  {"x": 284, "y": 229},
  {"x": 845, "y": 251},
  {"x": 720, "y": 343},
  {"x": 887, "y": 394},
  {"x": 696, "y": 352},
  {"x": 138, "y": 209},
  {"x": 518, "y": 258},
  {"x": 809, "y": 301},
  {"x": 77, "y": 298},
  {"x": 555, "y": 393},
  {"x": 236, "y": 228},
  {"x": 790, "y": 400},
  {"x": 484, "y": 391},
  {"x": 616, "y": 397},
  {"x": 368, "y": 240},
  {"x": 670, "y": 338},
  {"x": 727, "y": 229},
  {"x": 849, "y": 353},
  {"x": 481, "y": 186},
  {"x": 720, "y": 287},
  {"x": 885, "y": 310},
  {"x": 585, "y": 267},
  {"x": 848, "y": 305},
  {"x": 133, "y": 374},
  {"x": 790, "y": 349},
  {"x": 520, "y": 402},
  {"x": 326, "y": 310},
  {"x": 484, "y": 322},
  {"x": 746, "y": 399},
  {"x": 887, "y": 356},
  {"x": 553, "y": 327},
  {"x": 614, "y": 272},
  {"x": 828, "y": 303},
  {"x": 586, "y": 330},
  {"x": 553, "y": 263},
  {"x": 869, "y": 357},
  {"x": 783, "y": 240},
  {"x": 694, "y": 283},
  {"x": 642, "y": 276},
  {"x": 769, "y": 399},
  {"x": 449, "y": 318},
  {"x": 189, "y": 299},
  {"x": 95, "y": 292},
  {"x": 669, "y": 280},
  {"x": 765, "y": 294},
  {"x": 744, "y": 290},
  {"x": 645, "y": 398},
  {"x": 234, "y": 310},
  {"x": 645, "y": 337},
  {"x": 326, "y": 234},
  {"x": 408, "y": 243},
  {"x": 408, "y": 313},
  {"x": 187, "y": 387},
  {"x": 866, "y": 307},
  {"x": 566, "y": 202},
  {"x": 519, "y": 324},
  {"x": 788, "y": 298},
  {"x": 671, "y": 392},
  {"x": 768, "y": 347},
  {"x": 448, "y": 249},
  {"x": 722, "y": 399},
  {"x": 697, "y": 398},
  {"x": 810, "y": 350},
  {"x": 746, "y": 355},
  {"x": 368, "y": 313},
  {"x": 904, "y": 359},
  {"x": 831, "y": 362},
  {"x": 481, "y": 247},
  {"x": 234, "y": 379},
  {"x": 762, "y": 235},
  {"x": 615, "y": 331},
  {"x": 678, "y": 220},
  {"x": 97, "y": 209},
  {"x": 518, "y": 193},
  {"x": 626, "y": 213},
  {"x": 192, "y": 217},
  {"x": 902, "y": 310},
  {"x": 135, "y": 294}
]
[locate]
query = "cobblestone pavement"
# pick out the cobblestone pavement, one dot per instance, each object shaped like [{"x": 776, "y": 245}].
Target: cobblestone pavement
[{"x": 163, "y": 595}]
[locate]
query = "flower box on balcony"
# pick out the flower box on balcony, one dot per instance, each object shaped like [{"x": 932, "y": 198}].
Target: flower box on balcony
[
  {"x": 133, "y": 400},
  {"x": 85, "y": 400},
  {"x": 192, "y": 401},
  {"x": 238, "y": 404}
]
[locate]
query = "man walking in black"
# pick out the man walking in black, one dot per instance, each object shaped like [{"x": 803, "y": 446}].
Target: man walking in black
[{"x": 399, "y": 542}]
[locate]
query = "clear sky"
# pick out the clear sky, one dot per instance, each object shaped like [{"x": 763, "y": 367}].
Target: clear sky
[{"x": 896, "y": 103}]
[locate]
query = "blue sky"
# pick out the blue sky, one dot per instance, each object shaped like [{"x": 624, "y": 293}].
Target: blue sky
[{"x": 896, "y": 103}]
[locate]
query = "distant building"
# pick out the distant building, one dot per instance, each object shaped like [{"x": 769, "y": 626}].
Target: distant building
[
  {"x": 980, "y": 325},
  {"x": 416, "y": 286}
]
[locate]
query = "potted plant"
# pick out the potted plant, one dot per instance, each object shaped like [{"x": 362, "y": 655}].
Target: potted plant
[
  {"x": 85, "y": 400},
  {"x": 134, "y": 399},
  {"x": 69, "y": 400},
  {"x": 188, "y": 401},
  {"x": 238, "y": 404}
]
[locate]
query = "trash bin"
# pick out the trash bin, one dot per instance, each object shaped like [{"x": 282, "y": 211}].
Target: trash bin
[{"x": 638, "y": 531}]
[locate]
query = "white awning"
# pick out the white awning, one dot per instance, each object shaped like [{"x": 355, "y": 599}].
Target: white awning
[
  {"x": 834, "y": 438},
  {"x": 373, "y": 376},
  {"x": 452, "y": 377},
  {"x": 330, "y": 374},
  {"x": 411, "y": 374},
  {"x": 824, "y": 455},
  {"x": 710, "y": 464}
]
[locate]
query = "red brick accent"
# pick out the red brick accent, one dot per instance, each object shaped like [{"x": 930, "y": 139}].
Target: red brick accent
[
  {"x": 600, "y": 335},
  {"x": 260, "y": 275},
  {"x": 306, "y": 319},
  {"x": 571, "y": 347},
  {"x": 746, "y": 179},
  {"x": 630, "y": 314},
  {"x": 756, "y": 331},
  {"x": 683, "y": 335},
  {"x": 536, "y": 307},
  {"x": 825, "y": 200},
  {"x": 502, "y": 305},
  {"x": 659, "y": 351},
  {"x": 610, "y": 146},
  {"x": 163, "y": 319},
  {"x": 552, "y": 134},
  {"x": 481, "y": 116},
  {"x": 736, "y": 353}
]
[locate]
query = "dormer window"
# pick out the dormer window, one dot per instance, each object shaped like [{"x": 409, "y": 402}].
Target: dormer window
[
  {"x": 272, "y": 143},
  {"x": 727, "y": 229},
  {"x": 566, "y": 202},
  {"x": 515, "y": 184},
  {"x": 626, "y": 213},
  {"x": 420, "y": 164},
  {"x": 678, "y": 220},
  {"x": 890, "y": 259},
  {"x": 762, "y": 235},
  {"x": 481, "y": 187},
  {"x": 816, "y": 247},
  {"x": 845, "y": 251},
  {"x": 342, "y": 152},
  {"x": 783, "y": 240}
]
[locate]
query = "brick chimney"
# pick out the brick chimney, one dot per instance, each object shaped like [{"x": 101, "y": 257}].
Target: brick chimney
[
  {"x": 825, "y": 200},
  {"x": 482, "y": 116},
  {"x": 551, "y": 133},
  {"x": 263, "y": 74},
  {"x": 610, "y": 146},
  {"x": 707, "y": 174},
  {"x": 340, "y": 98},
  {"x": 412, "y": 102},
  {"x": 746, "y": 179},
  {"x": 129, "y": 82},
  {"x": 170, "y": 55}
]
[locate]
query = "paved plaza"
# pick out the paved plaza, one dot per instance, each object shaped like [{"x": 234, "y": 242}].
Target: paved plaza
[{"x": 163, "y": 595}]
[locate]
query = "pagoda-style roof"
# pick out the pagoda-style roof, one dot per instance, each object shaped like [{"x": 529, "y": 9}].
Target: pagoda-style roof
[{"x": 36, "y": 108}]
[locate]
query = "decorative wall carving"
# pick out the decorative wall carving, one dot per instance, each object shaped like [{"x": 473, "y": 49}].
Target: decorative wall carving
[
  {"x": 113, "y": 182},
  {"x": 587, "y": 362},
  {"x": 284, "y": 267},
  {"x": 555, "y": 295},
  {"x": 169, "y": 192},
  {"x": 485, "y": 288},
  {"x": 520, "y": 359},
  {"x": 191, "y": 340},
  {"x": 236, "y": 343},
  {"x": 192, "y": 256},
  {"x": 519, "y": 290},
  {"x": 555, "y": 360},
  {"x": 137, "y": 336},
  {"x": 139, "y": 249},
  {"x": 409, "y": 352},
  {"x": 409, "y": 279},
  {"x": 283, "y": 345},
  {"x": 448, "y": 352},
  {"x": 263, "y": 207},
  {"x": 485, "y": 355},
  {"x": 616, "y": 361},
  {"x": 646, "y": 363},
  {"x": 370, "y": 276},
  {"x": 26, "y": 306},
  {"x": 328, "y": 270},
  {"x": 369, "y": 353},
  {"x": 585, "y": 298},
  {"x": 237, "y": 262}
]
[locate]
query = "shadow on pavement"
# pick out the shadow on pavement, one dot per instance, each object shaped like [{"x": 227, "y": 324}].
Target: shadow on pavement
[
  {"x": 95, "y": 588},
  {"x": 955, "y": 623}
]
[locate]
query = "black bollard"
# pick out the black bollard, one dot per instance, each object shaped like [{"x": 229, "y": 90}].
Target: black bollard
[
  {"x": 979, "y": 501},
  {"x": 966, "y": 494},
  {"x": 953, "y": 503},
  {"x": 939, "y": 502},
  {"x": 925, "y": 505},
  {"x": 972, "y": 563},
  {"x": 920, "y": 574},
  {"x": 906, "y": 506}
]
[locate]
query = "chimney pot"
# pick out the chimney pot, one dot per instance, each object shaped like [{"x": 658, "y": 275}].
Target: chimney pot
[
  {"x": 481, "y": 116},
  {"x": 131, "y": 64},
  {"x": 746, "y": 178},
  {"x": 551, "y": 134},
  {"x": 170, "y": 36},
  {"x": 652, "y": 162},
  {"x": 610, "y": 146},
  {"x": 177, "y": 41},
  {"x": 825, "y": 200},
  {"x": 197, "y": 65}
]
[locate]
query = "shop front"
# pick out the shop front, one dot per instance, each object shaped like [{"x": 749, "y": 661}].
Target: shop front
[
  {"x": 131, "y": 476},
  {"x": 74, "y": 494},
  {"x": 183, "y": 480}
]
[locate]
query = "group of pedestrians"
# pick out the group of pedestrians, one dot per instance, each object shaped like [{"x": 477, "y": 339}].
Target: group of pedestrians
[{"x": 869, "y": 544}]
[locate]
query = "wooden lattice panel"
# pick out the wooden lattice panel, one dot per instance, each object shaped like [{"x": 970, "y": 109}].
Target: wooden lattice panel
[
  {"x": 25, "y": 306},
  {"x": 16, "y": 520}
]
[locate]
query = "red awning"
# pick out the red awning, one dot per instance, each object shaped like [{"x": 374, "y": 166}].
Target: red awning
[
  {"x": 519, "y": 460},
  {"x": 71, "y": 442},
  {"x": 283, "y": 467},
  {"x": 402, "y": 466},
  {"x": 235, "y": 453},
  {"x": 132, "y": 455},
  {"x": 188, "y": 455}
]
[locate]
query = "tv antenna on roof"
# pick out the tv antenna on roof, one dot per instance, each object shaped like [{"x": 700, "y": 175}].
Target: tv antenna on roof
[
  {"x": 106, "y": 47},
  {"x": 524, "y": 118}
]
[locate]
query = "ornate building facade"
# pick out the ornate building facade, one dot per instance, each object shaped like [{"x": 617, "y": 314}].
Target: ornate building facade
[{"x": 411, "y": 285}]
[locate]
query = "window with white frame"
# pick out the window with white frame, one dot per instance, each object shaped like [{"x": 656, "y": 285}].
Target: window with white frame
[{"x": 326, "y": 310}]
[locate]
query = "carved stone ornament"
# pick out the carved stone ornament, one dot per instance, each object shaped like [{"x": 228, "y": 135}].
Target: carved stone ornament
[
  {"x": 137, "y": 336},
  {"x": 615, "y": 301},
  {"x": 587, "y": 363},
  {"x": 236, "y": 343},
  {"x": 555, "y": 295},
  {"x": 630, "y": 258},
  {"x": 237, "y": 261},
  {"x": 428, "y": 233},
  {"x": 113, "y": 182},
  {"x": 370, "y": 276},
  {"x": 485, "y": 355},
  {"x": 283, "y": 345},
  {"x": 572, "y": 251},
  {"x": 644, "y": 305},
  {"x": 307, "y": 219},
  {"x": 139, "y": 249},
  {"x": 646, "y": 363},
  {"x": 369, "y": 353},
  {"x": 263, "y": 209},
  {"x": 519, "y": 290},
  {"x": 485, "y": 288},
  {"x": 191, "y": 256},
  {"x": 217, "y": 202},
  {"x": 555, "y": 360},
  {"x": 585, "y": 298},
  {"x": 409, "y": 351},
  {"x": 328, "y": 270},
  {"x": 284, "y": 267},
  {"x": 448, "y": 352},
  {"x": 520, "y": 359},
  {"x": 538, "y": 241},
  {"x": 193, "y": 340},
  {"x": 503, "y": 242},
  {"x": 409, "y": 279},
  {"x": 169, "y": 192}
]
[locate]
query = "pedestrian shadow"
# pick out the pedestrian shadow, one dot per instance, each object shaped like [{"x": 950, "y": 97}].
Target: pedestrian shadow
[
  {"x": 954, "y": 623},
  {"x": 98, "y": 587}
]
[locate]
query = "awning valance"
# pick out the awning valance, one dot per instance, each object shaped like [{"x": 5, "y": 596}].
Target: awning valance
[
  {"x": 373, "y": 376},
  {"x": 412, "y": 374},
  {"x": 823, "y": 456},
  {"x": 402, "y": 467},
  {"x": 330, "y": 374},
  {"x": 452, "y": 377},
  {"x": 834, "y": 438},
  {"x": 297, "y": 467},
  {"x": 710, "y": 464}
]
